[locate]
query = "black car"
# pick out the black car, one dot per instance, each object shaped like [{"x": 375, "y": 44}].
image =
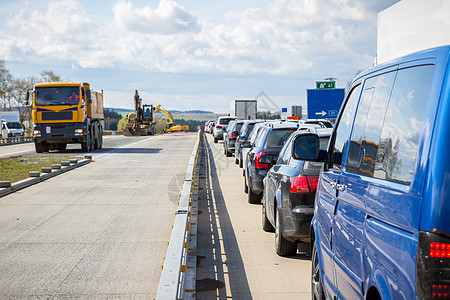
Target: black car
[
  {"x": 244, "y": 135},
  {"x": 229, "y": 139},
  {"x": 268, "y": 144},
  {"x": 289, "y": 191}
]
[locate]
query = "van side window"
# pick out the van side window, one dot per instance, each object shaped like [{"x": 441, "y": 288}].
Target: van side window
[
  {"x": 369, "y": 118},
  {"x": 402, "y": 128},
  {"x": 342, "y": 128}
]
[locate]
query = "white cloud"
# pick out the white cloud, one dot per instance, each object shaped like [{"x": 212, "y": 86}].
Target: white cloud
[
  {"x": 169, "y": 18},
  {"x": 311, "y": 39}
]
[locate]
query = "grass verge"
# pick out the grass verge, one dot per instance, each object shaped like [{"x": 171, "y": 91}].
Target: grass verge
[{"x": 18, "y": 168}]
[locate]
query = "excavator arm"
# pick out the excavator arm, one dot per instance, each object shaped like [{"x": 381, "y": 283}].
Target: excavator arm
[
  {"x": 171, "y": 127},
  {"x": 165, "y": 112}
]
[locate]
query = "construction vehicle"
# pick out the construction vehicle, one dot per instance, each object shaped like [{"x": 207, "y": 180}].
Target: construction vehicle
[
  {"x": 170, "y": 127},
  {"x": 66, "y": 113},
  {"x": 140, "y": 122}
]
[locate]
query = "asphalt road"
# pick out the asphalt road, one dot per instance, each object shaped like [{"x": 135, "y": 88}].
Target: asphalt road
[
  {"x": 236, "y": 258},
  {"x": 96, "y": 232}
]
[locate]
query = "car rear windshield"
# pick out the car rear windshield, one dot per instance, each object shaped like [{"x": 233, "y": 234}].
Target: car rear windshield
[
  {"x": 238, "y": 127},
  {"x": 278, "y": 137},
  {"x": 248, "y": 129},
  {"x": 225, "y": 121}
]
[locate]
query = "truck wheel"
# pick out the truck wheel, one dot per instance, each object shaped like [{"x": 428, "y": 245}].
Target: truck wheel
[
  {"x": 39, "y": 147},
  {"x": 95, "y": 134},
  {"x": 282, "y": 246},
  {"x": 86, "y": 146},
  {"x": 100, "y": 139}
]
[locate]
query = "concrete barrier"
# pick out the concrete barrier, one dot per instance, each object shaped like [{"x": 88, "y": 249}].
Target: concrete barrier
[{"x": 6, "y": 187}]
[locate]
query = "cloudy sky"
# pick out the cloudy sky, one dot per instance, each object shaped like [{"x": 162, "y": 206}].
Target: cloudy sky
[{"x": 193, "y": 54}]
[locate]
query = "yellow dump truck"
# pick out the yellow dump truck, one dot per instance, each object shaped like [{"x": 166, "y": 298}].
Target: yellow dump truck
[{"x": 67, "y": 113}]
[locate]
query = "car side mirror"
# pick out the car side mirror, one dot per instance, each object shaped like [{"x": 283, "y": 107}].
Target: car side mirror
[
  {"x": 246, "y": 144},
  {"x": 307, "y": 147},
  {"x": 266, "y": 159}
]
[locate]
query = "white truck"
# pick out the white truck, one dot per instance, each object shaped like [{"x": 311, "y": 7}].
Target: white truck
[
  {"x": 243, "y": 109},
  {"x": 10, "y": 124},
  {"x": 410, "y": 26}
]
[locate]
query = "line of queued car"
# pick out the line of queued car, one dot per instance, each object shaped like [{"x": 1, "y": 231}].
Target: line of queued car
[
  {"x": 379, "y": 227},
  {"x": 273, "y": 174}
]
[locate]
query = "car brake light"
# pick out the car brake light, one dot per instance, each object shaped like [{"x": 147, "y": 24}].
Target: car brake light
[
  {"x": 218, "y": 126},
  {"x": 303, "y": 184},
  {"x": 233, "y": 136},
  {"x": 259, "y": 165}
]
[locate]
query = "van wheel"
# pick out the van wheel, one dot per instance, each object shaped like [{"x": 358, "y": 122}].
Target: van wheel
[
  {"x": 282, "y": 246},
  {"x": 266, "y": 225},
  {"x": 316, "y": 279},
  {"x": 39, "y": 147}
]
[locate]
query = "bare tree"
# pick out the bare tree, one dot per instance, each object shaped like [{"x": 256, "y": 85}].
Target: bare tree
[
  {"x": 50, "y": 76},
  {"x": 6, "y": 86}
]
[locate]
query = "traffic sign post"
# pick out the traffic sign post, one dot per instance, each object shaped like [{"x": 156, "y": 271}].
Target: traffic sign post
[{"x": 324, "y": 103}]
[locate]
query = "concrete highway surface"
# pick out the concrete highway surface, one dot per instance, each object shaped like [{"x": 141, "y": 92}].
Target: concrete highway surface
[
  {"x": 99, "y": 231},
  {"x": 236, "y": 258}
]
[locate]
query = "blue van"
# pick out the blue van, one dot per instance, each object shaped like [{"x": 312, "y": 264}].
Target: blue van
[{"x": 381, "y": 226}]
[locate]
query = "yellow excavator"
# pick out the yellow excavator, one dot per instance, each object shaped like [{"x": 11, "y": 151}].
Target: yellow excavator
[
  {"x": 170, "y": 127},
  {"x": 140, "y": 122}
]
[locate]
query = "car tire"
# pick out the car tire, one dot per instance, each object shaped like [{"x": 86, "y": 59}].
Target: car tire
[
  {"x": 215, "y": 140},
  {"x": 236, "y": 160},
  {"x": 316, "y": 280},
  {"x": 241, "y": 163},
  {"x": 252, "y": 197},
  {"x": 282, "y": 246},
  {"x": 245, "y": 186},
  {"x": 266, "y": 225},
  {"x": 227, "y": 153}
]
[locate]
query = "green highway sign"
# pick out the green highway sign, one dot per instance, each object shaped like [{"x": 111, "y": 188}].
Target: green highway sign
[{"x": 325, "y": 84}]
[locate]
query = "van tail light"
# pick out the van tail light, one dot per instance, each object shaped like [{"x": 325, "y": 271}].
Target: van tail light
[
  {"x": 218, "y": 126},
  {"x": 440, "y": 250},
  {"x": 259, "y": 165},
  {"x": 303, "y": 184},
  {"x": 433, "y": 266}
]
